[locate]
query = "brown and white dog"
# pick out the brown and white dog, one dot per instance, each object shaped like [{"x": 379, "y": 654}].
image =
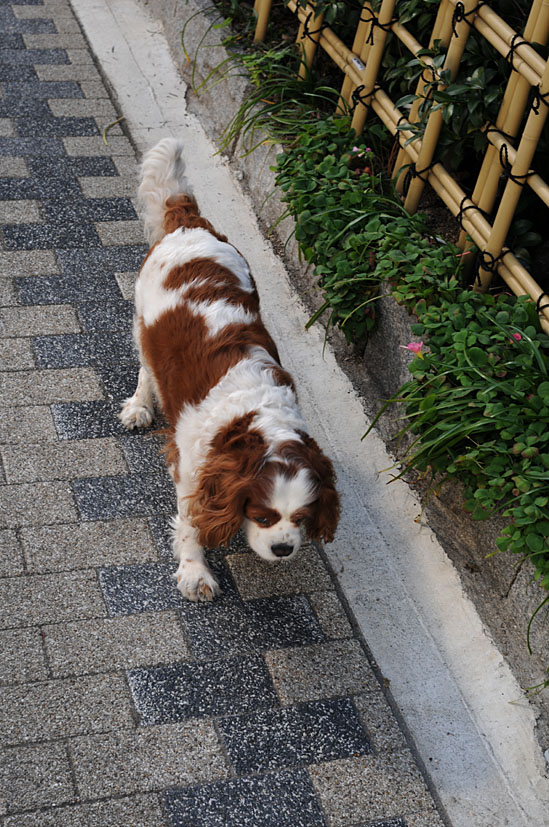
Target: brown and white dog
[{"x": 237, "y": 448}]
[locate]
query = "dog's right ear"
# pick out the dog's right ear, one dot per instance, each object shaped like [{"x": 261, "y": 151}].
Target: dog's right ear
[{"x": 216, "y": 508}]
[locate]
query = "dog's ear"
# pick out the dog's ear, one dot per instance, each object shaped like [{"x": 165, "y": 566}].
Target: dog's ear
[
  {"x": 326, "y": 509},
  {"x": 216, "y": 508}
]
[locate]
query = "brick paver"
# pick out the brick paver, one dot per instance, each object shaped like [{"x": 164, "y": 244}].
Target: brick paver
[{"x": 122, "y": 703}]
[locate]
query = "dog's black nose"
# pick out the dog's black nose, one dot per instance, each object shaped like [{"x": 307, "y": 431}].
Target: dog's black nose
[{"x": 282, "y": 549}]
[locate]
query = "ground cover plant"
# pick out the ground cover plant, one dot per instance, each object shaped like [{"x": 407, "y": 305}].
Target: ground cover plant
[{"x": 477, "y": 403}]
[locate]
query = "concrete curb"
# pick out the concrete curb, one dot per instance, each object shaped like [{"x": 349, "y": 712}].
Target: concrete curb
[{"x": 453, "y": 687}]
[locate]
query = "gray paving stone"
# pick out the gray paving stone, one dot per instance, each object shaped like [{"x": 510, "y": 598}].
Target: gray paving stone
[
  {"x": 96, "y": 146},
  {"x": 39, "y": 321},
  {"x": 6, "y": 128},
  {"x": 90, "y": 646},
  {"x": 50, "y": 598},
  {"x": 427, "y": 819},
  {"x": 34, "y": 424},
  {"x": 8, "y": 293},
  {"x": 111, "y": 188},
  {"x": 327, "y": 670},
  {"x": 59, "y": 708},
  {"x": 20, "y": 212},
  {"x": 37, "y": 776},
  {"x": 257, "y": 578},
  {"x": 119, "y": 232},
  {"x": 93, "y": 89},
  {"x": 134, "y": 811},
  {"x": 11, "y": 558},
  {"x": 362, "y": 789},
  {"x": 28, "y": 263},
  {"x": 379, "y": 720},
  {"x": 16, "y": 354},
  {"x": 78, "y": 56},
  {"x": 126, "y": 283},
  {"x": 73, "y": 40},
  {"x": 72, "y": 71},
  {"x": 48, "y": 387},
  {"x": 81, "y": 545},
  {"x": 82, "y": 107},
  {"x": 63, "y": 460},
  {"x": 331, "y": 615},
  {"x": 13, "y": 167},
  {"x": 147, "y": 759},
  {"x": 22, "y": 656},
  {"x": 36, "y": 503}
]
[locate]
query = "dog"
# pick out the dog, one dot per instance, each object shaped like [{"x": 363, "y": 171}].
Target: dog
[{"x": 237, "y": 446}]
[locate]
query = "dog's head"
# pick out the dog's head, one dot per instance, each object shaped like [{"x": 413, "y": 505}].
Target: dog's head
[{"x": 280, "y": 494}]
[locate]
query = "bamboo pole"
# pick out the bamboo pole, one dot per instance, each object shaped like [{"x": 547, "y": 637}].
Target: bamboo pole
[
  {"x": 509, "y": 118},
  {"x": 435, "y": 119},
  {"x": 262, "y": 8},
  {"x": 513, "y": 188},
  {"x": 307, "y": 39},
  {"x": 369, "y": 75},
  {"x": 360, "y": 49},
  {"x": 439, "y": 29}
]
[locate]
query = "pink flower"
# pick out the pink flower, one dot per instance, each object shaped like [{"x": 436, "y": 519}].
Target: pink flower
[
  {"x": 414, "y": 347},
  {"x": 515, "y": 337}
]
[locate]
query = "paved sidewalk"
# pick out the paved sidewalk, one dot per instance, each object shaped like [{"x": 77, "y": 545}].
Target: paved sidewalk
[{"x": 123, "y": 704}]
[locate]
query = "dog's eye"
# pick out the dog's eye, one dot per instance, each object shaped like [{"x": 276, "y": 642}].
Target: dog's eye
[{"x": 261, "y": 520}]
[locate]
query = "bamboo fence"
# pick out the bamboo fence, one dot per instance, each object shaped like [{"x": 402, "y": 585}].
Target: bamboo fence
[{"x": 511, "y": 145}]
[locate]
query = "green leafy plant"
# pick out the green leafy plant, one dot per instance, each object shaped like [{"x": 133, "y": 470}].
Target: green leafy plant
[
  {"x": 351, "y": 226},
  {"x": 478, "y": 405}
]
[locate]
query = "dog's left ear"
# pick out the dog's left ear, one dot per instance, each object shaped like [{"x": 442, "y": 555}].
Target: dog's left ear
[
  {"x": 216, "y": 508},
  {"x": 323, "y": 523}
]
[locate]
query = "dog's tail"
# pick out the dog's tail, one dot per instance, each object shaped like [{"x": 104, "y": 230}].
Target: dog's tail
[{"x": 161, "y": 178}]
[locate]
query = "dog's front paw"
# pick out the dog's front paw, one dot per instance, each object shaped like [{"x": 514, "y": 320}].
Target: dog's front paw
[
  {"x": 134, "y": 415},
  {"x": 196, "y": 582}
]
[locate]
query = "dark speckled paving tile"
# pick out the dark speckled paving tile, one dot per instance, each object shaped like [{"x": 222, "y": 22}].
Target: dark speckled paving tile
[
  {"x": 143, "y": 453},
  {"x": 253, "y": 625},
  {"x": 91, "y": 209},
  {"x": 11, "y": 40},
  {"x": 66, "y": 289},
  {"x": 136, "y": 495},
  {"x": 17, "y": 72},
  {"x": 42, "y": 90},
  {"x": 28, "y": 57},
  {"x": 144, "y": 587},
  {"x": 87, "y": 420},
  {"x": 21, "y": 107},
  {"x": 46, "y": 236},
  {"x": 33, "y": 147},
  {"x": 280, "y": 799},
  {"x": 98, "y": 262},
  {"x": 113, "y": 315},
  {"x": 305, "y": 734},
  {"x": 391, "y": 822},
  {"x": 48, "y": 125},
  {"x": 78, "y": 349},
  {"x": 162, "y": 534},
  {"x": 151, "y": 587},
  {"x": 232, "y": 686},
  {"x": 119, "y": 382},
  {"x": 95, "y": 165}
]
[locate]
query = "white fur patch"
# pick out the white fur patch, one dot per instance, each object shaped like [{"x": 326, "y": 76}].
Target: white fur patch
[{"x": 152, "y": 299}]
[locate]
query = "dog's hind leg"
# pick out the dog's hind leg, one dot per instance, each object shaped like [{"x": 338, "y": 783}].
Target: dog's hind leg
[{"x": 138, "y": 410}]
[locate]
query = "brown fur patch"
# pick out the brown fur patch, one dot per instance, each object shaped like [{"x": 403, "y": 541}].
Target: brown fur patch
[
  {"x": 182, "y": 211},
  {"x": 187, "y": 363}
]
